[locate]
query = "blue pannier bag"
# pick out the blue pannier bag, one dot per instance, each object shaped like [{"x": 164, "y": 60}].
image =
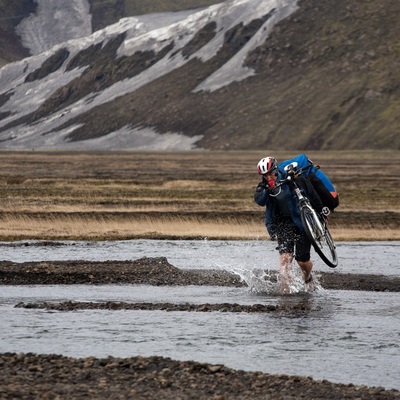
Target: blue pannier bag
[{"x": 321, "y": 183}]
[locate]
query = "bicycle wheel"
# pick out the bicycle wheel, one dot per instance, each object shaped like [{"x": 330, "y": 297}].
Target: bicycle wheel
[{"x": 319, "y": 236}]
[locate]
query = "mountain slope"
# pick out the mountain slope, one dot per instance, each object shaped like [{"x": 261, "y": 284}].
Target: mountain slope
[
  {"x": 12, "y": 13},
  {"x": 31, "y": 26},
  {"x": 313, "y": 74}
]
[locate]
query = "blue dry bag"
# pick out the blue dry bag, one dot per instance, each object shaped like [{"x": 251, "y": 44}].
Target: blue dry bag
[{"x": 322, "y": 184}]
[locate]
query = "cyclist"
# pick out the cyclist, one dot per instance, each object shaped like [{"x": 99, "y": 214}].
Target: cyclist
[{"x": 282, "y": 216}]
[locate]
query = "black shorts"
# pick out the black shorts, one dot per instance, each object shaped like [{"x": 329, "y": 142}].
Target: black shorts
[{"x": 291, "y": 239}]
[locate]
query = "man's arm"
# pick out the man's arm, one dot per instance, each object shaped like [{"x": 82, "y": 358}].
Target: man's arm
[{"x": 261, "y": 193}]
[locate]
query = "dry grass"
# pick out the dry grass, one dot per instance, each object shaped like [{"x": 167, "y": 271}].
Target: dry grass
[
  {"x": 48, "y": 228},
  {"x": 65, "y": 227},
  {"x": 189, "y": 194},
  {"x": 365, "y": 234}
]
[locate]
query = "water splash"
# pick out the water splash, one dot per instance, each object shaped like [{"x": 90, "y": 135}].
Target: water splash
[
  {"x": 261, "y": 272},
  {"x": 272, "y": 282},
  {"x": 258, "y": 280},
  {"x": 255, "y": 273},
  {"x": 266, "y": 279}
]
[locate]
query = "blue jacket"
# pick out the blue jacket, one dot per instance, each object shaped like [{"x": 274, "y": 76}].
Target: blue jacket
[{"x": 262, "y": 198}]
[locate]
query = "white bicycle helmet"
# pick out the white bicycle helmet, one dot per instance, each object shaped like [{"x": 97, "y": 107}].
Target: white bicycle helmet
[{"x": 267, "y": 165}]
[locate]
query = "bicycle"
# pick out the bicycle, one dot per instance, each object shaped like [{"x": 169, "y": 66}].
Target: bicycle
[{"x": 315, "y": 224}]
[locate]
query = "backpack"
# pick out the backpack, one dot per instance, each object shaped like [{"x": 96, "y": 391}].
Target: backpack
[{"x": 321, "y": 183}]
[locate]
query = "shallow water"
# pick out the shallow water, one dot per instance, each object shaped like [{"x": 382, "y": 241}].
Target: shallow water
[
  {"x": 354, "y": 257},
  {"x": 342, "y": 336}
]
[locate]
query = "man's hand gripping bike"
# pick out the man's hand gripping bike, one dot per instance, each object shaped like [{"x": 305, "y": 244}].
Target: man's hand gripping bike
[{"x": 315, "y": 224}]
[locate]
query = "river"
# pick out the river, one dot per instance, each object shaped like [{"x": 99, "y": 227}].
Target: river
[{"x": 342, "y": 336}]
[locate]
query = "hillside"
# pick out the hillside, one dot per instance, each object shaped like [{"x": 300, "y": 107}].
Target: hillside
[
  {"x": 12, "y": 13},
  {"x": 312, "y": 74},
  {"x": 102, "y": 13}
]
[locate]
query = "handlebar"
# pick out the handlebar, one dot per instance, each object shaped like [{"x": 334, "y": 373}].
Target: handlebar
[{"x": 292, "y": 174}]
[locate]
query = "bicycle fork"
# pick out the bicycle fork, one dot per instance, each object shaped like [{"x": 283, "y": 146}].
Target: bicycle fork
[{"x": 318, "y": 227}]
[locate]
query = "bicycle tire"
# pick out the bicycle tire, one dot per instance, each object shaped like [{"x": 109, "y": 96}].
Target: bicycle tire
[{"x": 319, "y": 236}]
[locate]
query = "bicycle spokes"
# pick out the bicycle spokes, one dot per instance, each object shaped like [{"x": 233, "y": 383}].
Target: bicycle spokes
[{"x": 319, "y": 236}]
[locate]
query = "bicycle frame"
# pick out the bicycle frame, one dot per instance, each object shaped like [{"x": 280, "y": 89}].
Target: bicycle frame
[
  {"x": 304, "y": 202},
  {"x": 314, "y": 225}
]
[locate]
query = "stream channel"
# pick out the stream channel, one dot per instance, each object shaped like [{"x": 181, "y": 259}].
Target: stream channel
[{"x": 342, "y": 336}]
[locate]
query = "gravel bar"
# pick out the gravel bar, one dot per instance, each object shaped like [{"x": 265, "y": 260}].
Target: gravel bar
[
  {"x": 31, "y": 376},
  {"x": 158, "y": 271}
]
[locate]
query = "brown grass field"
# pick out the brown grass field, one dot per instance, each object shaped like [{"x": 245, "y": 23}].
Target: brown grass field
[{"x": 128, "y": 195}]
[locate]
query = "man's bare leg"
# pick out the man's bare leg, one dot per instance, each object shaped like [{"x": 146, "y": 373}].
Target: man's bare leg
[
  {"x": 285, "y": 271},
  {"x": 306, "y": 267}
]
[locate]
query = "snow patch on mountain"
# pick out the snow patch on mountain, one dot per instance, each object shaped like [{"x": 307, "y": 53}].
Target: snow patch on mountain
[
  {"x": 143, "y": 33},
  {"x": 234, "y": 70},
  {"x": 56, "y": 21},
  {"x": 126, "y": 138}
]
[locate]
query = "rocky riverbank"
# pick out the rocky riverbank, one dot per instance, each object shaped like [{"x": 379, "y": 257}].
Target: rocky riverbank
[{"x": 30, "y": 376}]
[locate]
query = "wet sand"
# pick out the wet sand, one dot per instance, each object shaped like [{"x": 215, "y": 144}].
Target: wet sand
[{"x": 31, "y": 376}]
